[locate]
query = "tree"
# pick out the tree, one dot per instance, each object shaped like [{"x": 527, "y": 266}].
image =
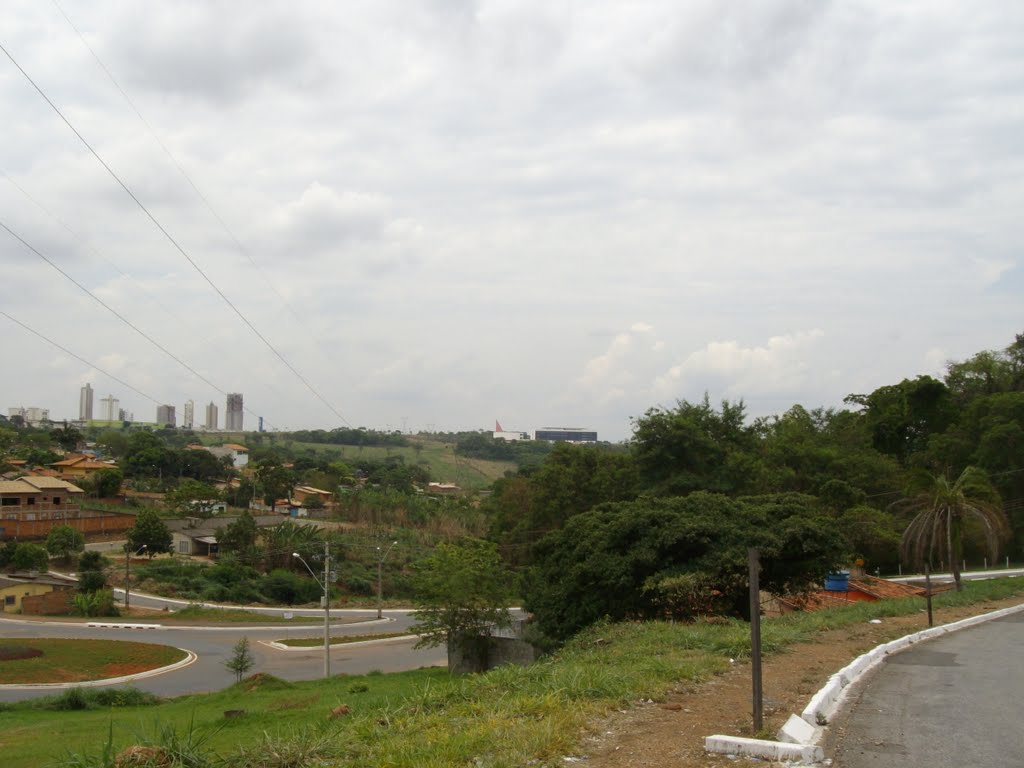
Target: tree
[
  {"x": 941, "y": 507},
  {"x": 277, "y": 482},
  {"x": 192, "y": 497},
  {"x": 67, "y": 437},
  {"x": 151, "y": 531},
  {"x": 241, "y": 659},
  {"x": 462, "y": 590},
  {"x": 239, "y": 536},
  {"x": 30, "y": 557},
  {"x": 63, "y": 541},
  {"x": 107, "y": 483},
  {"x": 624, "y": 560},
  {"x": 91, "y": 572}
]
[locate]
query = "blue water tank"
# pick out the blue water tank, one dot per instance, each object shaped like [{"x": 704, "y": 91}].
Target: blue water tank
[{"x": 838, "y": 581}]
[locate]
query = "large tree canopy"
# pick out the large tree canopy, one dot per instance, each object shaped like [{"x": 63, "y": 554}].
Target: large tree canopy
[{"x": 610, "y": 561}]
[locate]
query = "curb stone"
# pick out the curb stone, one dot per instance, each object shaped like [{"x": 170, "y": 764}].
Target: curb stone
[{"x": 824, "y": 705}]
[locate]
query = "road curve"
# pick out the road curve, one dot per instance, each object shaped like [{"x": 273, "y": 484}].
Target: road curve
[
  {"x": 948, "y": 703},
  {"x": 212, "y": 646}
]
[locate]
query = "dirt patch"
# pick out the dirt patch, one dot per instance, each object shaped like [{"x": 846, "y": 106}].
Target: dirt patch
[
  {"x": 672, "y": 732},
  {"x": 18, "y": 652}
]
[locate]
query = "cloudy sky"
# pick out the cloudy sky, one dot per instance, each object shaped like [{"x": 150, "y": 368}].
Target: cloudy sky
[{"x": 446, "y": 212}]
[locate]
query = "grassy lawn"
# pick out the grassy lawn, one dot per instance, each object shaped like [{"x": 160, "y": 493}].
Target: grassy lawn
[
  {"x": 195, "y": 614},
  {"x": 509, "y": 717},
  {"x": 66, "y": 661},
  {"x": 313, "y": 642}
]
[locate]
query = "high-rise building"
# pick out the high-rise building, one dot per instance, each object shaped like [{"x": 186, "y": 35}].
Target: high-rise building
[
  {"x": 211, "y": 416},
  {"x": 233, "y": 417},
  {"x": 189, "y": 418},
  {"x": 85, "y": 403},
  {"x": 165, "y": 415},
  {"x": 110, "y": 408}
]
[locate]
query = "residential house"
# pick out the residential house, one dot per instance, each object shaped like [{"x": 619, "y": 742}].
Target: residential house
[
  {"x": 198, "y": 536},
  {"x": 31, "y": 506},
  {"x": 78, "y": 466},
  {"x": 34, "y": 593}
]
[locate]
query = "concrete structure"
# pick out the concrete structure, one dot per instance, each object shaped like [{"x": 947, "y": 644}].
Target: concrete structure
[
  {"x": 26, "y": 593},
  {"x": 110, "y": 409},
  {"x": 566, "y": 435},
  {"x": 198, "y": 536},
  {"x": 239, "y": 453},
  {"x": 505, "y": 434},
  {"x": 188, "y": 419},
  {"x": 165, "y": 415},
  {"x": 235, "y": 411},
  {"x": 301, "y": 494},
  {"x": 33, "y": 415},
  {"x": 85, "y": 403},
  {"x": 211, "y": 417}
]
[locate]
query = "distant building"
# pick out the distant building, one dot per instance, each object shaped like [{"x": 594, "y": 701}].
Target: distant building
[
  {"x": 33, "y": 415},
  {"x": 505, "y": 434},
  {"x": 85, "y": 403},
  {"x": 123, "y": 415},
  {"x": 188, "y": 419},
  {"x": 233, "y": 417},
  {"x": 165, "y": 415},
  {"x": 110, "y": 409},
  {"x": 211, "y": 417},
  {"x": 566, "y": 435}
]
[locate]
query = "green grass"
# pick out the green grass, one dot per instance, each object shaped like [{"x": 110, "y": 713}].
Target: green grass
[
  {"x": 64, "y": 661},
  {"x": 197, "y": 613},
  {"x": 509, "y": 717},
  {"x": 313, "y": 642}
]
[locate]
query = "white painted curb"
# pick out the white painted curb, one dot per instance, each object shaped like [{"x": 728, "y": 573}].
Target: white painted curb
[
  {"x": 121, "y": 625},
  {"x": 824, "y": 705},
  {"x": 190, "y": 658},
  {"x": 770, "y": 750}
]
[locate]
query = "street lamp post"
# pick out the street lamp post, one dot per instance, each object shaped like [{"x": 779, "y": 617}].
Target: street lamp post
[
  {"x": 127, "y": 569},
  {"x": 325, "y": 601},
  {"x": 380, "y": 578}
]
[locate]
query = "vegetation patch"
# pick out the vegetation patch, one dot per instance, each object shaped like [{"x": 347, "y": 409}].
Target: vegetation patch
[
  {"x": 510, "y": 716},
  {"x": 313, "y": 642},
  {"x": 18, "y": 652},
  {"x": 71, "y": 661}
]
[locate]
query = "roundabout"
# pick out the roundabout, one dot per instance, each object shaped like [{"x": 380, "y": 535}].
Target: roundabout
[{"x": 41, "y": 663}]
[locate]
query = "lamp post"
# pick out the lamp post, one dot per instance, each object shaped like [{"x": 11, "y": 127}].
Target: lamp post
[
  {"x": 325, "y": 601},
  {"x": 127, "y": 569},
  {"x": 380, "y": 578}
]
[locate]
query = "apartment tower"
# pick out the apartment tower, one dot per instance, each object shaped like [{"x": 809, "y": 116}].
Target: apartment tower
[
  {"x": 85, "y": 403},
  {"x": 233, "y": 417}
]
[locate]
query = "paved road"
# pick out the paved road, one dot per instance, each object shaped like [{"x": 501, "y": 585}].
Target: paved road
[
  {"x": 213, "y": 647},
  {"x": 948, "y": 703}
]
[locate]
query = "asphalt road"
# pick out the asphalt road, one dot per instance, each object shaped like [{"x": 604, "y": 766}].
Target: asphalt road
[
  {"x": 948, "y": 703},
  {"x": 213, "y": 645}
]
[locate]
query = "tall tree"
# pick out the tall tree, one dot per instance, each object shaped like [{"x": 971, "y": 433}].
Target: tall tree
[
  {"x": 941, "y": 507},
  {"x": 149, "y": 530},
  {"x": 63, "y": 541}
]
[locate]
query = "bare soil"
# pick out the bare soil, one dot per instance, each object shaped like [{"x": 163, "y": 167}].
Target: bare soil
[{"x": 672, "y": 732}]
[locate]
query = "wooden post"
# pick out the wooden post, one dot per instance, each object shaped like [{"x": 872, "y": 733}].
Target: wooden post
[
  {"x": 928, "y": 590},
  {"x": 754, "y": 566}
]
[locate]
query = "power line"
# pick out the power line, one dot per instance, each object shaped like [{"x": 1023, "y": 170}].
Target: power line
[
  {"x": 181, "y": 169},
  {"x": 80, "y": 358},
  {"x": 171, "y": 239},
  {"x": 111, "y": 310}
]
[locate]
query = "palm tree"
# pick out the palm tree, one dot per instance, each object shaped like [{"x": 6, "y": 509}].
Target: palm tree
[{"x": 941, "y": 507}]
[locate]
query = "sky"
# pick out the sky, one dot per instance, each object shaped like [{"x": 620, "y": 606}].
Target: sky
[{"x": 435, "y": 214}]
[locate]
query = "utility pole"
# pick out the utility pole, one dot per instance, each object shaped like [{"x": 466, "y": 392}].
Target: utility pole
[
  {"x": 327, "y": 610},
  {"x": 127, "y": 569},
  {"x": 754, "y": 565},
  {"x": 380, "y": 579}
]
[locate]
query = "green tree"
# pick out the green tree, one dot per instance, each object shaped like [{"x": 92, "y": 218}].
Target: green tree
[
  {"x": 191, "y": 497},
  {"x": 941, "y": 507},
  {"x": 151, "y": 531},
  {"x": 241, "y": 659},
  {"x": 621, "y": 560},
  {"x": 92, "y": 574},
  {"x": 276, "y": 481},
  {"x": 694, "y": 447},
  {"x": 462, "y": 590},
  {"x": 67, "y": 437},
  {"x": 239, "y": 537},
  {"x": 63, "y": 541},
  {"x": 30, "y": 557}
]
